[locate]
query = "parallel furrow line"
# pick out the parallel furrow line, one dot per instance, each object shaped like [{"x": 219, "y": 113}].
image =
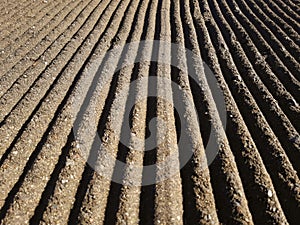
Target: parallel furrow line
[
  {"x": 268, "y": 55},
  {"x": 46, "y": 67},
  {"x": 199, "y": 204},
  {"x": 284, "y": 177},
  {"x": 266, "y": 36},
  {"x": 279, "y": 5},
  {"x": 61, "y": 194},
  {"x": 278, "y": 121},
  {"x": 53, "y": 140},
  {"x": 23, "y": 21},
  {"x": 284, "y": 98},
  {"x": 224, "y": 169},
  {"x": 294, "y": 6},
  {"x": 7, "y": 8},
  {"x": 275, "y": 20},
  {"x": 37, "y": 59},
  {"x": 168, "y": 197},
  {"x": 91, "y": 205},
  {"x": 19, "y": 52},
  {"x": 24, "y": 43},
  {"x": 37, "y": 92},
  {"x": 10, "y": 9},
  {"x": 284, "y": 16},
  {"x": 246, "y": 152}
]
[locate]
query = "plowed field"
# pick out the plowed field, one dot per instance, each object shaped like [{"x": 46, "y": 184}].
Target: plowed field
[{"x": 53, "y": 53}]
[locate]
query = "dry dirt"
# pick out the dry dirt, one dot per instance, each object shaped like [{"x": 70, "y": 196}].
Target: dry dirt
[{"x": 49, "y": 49}]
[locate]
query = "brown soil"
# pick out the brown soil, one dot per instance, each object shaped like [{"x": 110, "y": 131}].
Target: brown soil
[{"x": 50, "y": 49}]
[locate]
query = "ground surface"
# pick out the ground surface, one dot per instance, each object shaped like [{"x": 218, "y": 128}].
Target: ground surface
[{"x": 48, "y": 49}]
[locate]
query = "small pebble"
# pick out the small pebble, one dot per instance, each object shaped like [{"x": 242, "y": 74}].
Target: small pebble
[
  {"x": 69, "y": 162},
  {"x": 64, "y": 181},
  {"x": 270, "y": 194}
]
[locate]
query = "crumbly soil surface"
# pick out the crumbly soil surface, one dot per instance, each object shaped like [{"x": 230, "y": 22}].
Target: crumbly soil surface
[{"x": 53, "y": 54}]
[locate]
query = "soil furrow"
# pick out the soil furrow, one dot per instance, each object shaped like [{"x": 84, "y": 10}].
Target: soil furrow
[
  {"x": 8, "y": 8},
  {"x": 108, "y": 103},
  {"x": 32, "y": 26},
  {"x": 287, "y": 12},
  {"x": 23, "y": 22},
  {"x": 198, "y": 199},
  {"x": 57, "y": 200},
  {"x": 269, "y": 38},
  {"x": 280, "y": 124},
  {"x": 275, "y": 20},
  {"x": 149, "y": 112},
  {"x": 29, "y": 39},
  {"x": 224, "y": 170},
  {"x": 37, "y": 55},
  {"x": 266, "y": 210},
  {"x": 47, "y": 67},
  {"x": 284, "y": 98},
  {"x": 268, "y": 55},
  {"x": 8, "y": 13},
  {"x": 28, "y": 140},
  {"x": 284, "y": 178},
  {"x": 168, "y": 197},
  {"x": 293, "y": 6},
  {"x": 128, "y": 209},
  {"x": 51, "y": 156}
]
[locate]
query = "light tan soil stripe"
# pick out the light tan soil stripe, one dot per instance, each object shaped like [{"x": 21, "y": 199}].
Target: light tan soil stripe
[
  {"x": 40, "y": 53},
  {"x": 25, "y": 42},
  {"x": 31, "y": 25},
  {"x": 44, "y": 164},
  {"x": 9, "y": 13},
  {"x": 205, "y": 205},
  {"x": 168, "y": 195},
  {"x": 31, "y": 136},
  {"x": 9, "y": 7},
  {"x": 59, "y": 199},
  {"x": 95, "y": 201},
  {"x": 18, "y": 22},
  {"x": 27, "y": 104},
  {"x": 129, "y": 205}
]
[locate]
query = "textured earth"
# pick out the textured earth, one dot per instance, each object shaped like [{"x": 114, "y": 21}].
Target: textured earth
[{"x": 51, "y": 49}]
